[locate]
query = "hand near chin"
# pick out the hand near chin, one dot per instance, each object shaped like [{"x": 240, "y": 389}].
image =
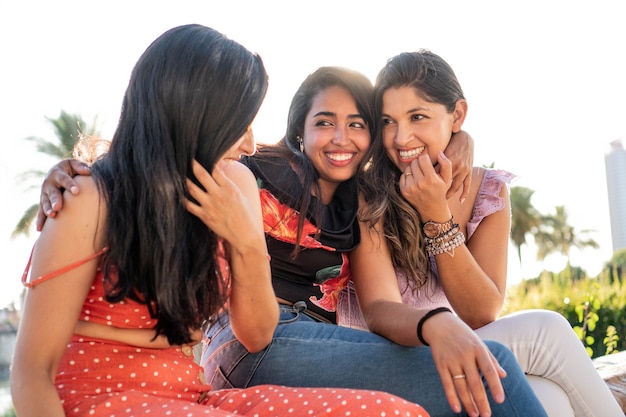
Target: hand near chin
[{"x": 425, "y": 187}]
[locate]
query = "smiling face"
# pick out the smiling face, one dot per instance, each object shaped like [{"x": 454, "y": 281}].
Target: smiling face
[
  {"x": 336, "y": 138},
  {"x": 412, "y": 125}
]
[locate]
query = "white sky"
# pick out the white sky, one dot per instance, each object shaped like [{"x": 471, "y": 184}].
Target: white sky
[{"x": 545, "y": 81}]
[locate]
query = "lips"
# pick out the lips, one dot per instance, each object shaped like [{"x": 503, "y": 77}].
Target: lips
[
  {"x": 340, "y": 157},
  {"x": 409, "y": 154}
]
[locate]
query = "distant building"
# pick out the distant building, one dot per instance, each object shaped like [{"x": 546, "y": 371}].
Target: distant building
[{"x": 615, "y": 162}]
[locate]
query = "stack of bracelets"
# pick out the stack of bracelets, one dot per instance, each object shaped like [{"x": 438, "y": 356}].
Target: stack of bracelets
[{"x": 442, "y": 237}]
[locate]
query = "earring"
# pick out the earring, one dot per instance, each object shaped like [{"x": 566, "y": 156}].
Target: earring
[{"x": 301, "y": 143}]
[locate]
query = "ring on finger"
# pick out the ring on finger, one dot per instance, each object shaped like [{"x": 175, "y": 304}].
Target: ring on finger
[
  {"x": 459, "y": 376},
  {"x": 408, "y": 173}
]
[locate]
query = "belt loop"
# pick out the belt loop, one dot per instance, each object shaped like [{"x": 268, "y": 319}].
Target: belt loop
[{"x": 299, "y": 306}]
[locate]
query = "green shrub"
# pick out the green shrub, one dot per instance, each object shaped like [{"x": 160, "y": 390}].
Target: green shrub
[{"x": 595, "y": 307}]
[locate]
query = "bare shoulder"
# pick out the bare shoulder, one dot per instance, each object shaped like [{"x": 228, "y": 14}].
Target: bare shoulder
[
  {"x": 86, "y": 208},
  {"x": 463, "y": 211},
  {"x": 236, "y": 168},
  {"x": 80, "y": 222},
  {"x": 478, "y": 174},
  {"x": 240, "y": 175},
  {"x": 88, "y": 195},
  {"x": 86, "y": 182}
]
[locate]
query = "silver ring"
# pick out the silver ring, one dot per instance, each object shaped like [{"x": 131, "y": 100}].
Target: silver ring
[
  {"x": 408, "y": 173},
  {"x": 460, "y": 376}
]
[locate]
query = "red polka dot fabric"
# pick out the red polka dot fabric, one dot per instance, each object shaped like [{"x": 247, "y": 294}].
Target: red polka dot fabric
[
  {"x": 107, "y": 379},
  {"x": 98, "y": 378}
]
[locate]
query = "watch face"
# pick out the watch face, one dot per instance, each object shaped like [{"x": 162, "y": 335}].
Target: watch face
[{"x": 431, "y": 229}]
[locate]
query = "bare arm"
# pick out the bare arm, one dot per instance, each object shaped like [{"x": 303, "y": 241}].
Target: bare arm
[
  {"x": 477, "y": 270},
  {"x": 455, "y": 347},
  {"x": 59, "y": 178},
  {"x": 52, "y": 308},
  {"x": 460, "y": 151},
  {"x": 231, "y": 208}
]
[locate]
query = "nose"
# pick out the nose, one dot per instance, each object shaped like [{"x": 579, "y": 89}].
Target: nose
[
  {"x": 341, "y": 136},
  {"x": 402, "y": 135},
  {"x": 248, "y": 145}
]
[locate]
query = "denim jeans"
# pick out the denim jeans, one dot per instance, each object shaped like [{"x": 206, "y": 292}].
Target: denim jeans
[{"x": 307, "y": 353}]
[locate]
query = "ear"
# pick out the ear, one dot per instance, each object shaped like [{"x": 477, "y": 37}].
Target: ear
[{"x": 458, "y": 115}]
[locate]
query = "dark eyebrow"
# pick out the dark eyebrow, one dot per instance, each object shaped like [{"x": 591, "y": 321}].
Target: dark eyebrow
[
  {"x": 410, "y": 111},
  {"x": 333, "y": 114},
  {"x": 417, "y": 109},
  {"x": 324, "y": 113}
]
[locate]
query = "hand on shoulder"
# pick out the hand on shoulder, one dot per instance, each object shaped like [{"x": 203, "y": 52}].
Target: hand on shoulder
[
  {"x": 83, "y": 214},
  {"x": 88, "y": 199}
]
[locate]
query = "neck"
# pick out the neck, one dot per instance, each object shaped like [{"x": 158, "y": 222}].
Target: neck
[{"x": 327, "y": 189}]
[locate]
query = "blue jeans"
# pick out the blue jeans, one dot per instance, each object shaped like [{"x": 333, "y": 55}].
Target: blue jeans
[{"x": 308, "y": 353}]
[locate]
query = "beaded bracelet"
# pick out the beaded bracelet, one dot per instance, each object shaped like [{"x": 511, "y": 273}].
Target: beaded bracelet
[
  {"x": 434, "y": 248},
  {"x": 426, "y": 317}
]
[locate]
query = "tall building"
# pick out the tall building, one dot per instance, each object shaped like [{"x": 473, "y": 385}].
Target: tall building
[{"x": 615, "y": 163}]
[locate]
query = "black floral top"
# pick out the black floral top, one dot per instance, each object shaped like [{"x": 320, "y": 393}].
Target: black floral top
[{"x": 321, "y": 269}]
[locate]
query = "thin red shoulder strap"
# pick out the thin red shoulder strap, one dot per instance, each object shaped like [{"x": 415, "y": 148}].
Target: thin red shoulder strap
[{"x": 53, "y": 274}]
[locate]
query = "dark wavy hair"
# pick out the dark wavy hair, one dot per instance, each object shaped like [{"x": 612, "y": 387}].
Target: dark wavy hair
[
  {"x": 192, "y": 94},
  {"x": 360, "y": 88},
  {"x": 434, "y": 80}
]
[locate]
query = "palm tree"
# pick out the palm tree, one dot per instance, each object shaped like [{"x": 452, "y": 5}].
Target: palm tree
[
  {"x": 524, "y": 217},
  {"x": 68, "y": 129},
  {"x": 615, "y": 269},
  {"x": 556, "y": 235}
]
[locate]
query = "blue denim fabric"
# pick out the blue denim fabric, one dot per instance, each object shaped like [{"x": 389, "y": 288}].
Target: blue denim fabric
[{"x": 307, "y": 353}]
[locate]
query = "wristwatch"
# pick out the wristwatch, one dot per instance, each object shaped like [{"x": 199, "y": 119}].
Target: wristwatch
[{"x": 433, "y": 229}]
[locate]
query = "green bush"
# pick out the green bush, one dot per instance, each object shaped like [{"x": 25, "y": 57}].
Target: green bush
[{"x": 595, "y": 307}]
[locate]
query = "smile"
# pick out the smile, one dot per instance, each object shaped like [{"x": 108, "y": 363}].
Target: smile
[
  {"x": 411, "y": 153},
  {"x": 340, "y": 156}
]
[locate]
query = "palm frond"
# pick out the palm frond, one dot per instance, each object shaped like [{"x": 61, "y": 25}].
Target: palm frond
[
  {"x": 33, "y": 174},
  {"x": 49, "y": 148},
  {"x": 24, "y": 224},
  {"x": 69, "y": 128}
]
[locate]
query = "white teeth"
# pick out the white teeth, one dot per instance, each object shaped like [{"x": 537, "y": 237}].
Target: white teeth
[
  {"x": 412, "y": 153},
  {"x": 340, "y": 156}
]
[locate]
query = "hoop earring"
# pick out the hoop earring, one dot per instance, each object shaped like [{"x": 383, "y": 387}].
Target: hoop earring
[{"x": 300, "y": 143}]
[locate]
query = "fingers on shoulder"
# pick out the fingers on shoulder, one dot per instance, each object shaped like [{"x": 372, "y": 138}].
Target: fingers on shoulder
[
  {"x": 89, "y": 192},
  {"x": 86, "y": 206}
]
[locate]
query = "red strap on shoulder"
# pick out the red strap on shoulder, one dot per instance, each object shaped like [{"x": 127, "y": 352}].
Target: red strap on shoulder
[{"x": 53, "y": 274}]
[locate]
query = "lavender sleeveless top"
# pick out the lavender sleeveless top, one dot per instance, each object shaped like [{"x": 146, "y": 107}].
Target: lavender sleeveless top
[{"x": 431, "y": 295}]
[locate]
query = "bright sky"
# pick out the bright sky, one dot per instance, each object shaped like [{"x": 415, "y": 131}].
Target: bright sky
[{"x": 545, "y": 82}]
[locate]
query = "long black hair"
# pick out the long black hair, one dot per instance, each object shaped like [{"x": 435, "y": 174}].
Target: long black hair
[
  {"x": 288, "y": 148},
  {"x": 192, "y": 95}
]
